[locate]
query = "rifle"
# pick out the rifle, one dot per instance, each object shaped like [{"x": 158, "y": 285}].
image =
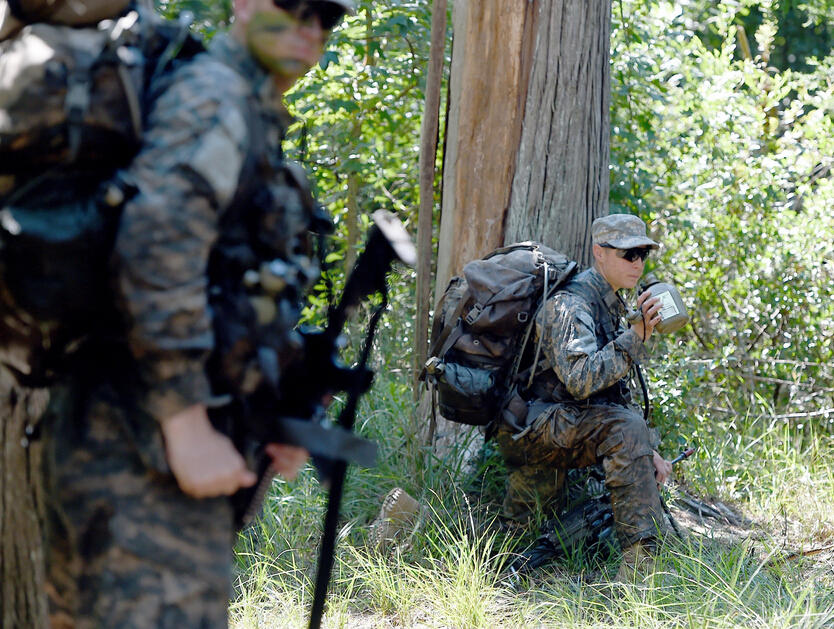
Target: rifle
[
  {"x": 683, "y": 455},
  {"x": 294, "y": 413}
]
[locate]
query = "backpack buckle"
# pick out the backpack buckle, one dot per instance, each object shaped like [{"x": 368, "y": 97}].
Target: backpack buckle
[
  {"x": 433, "y": 368},
  {"x": 473, "y": 314},
  {"x": 434, "y": 365}
]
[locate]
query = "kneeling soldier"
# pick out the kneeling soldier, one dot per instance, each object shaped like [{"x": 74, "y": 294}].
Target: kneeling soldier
[{"x": 581, "y": 410}]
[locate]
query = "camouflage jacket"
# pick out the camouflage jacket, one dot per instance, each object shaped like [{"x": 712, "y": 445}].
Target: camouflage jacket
[
  {"x": 587, "y": 351},
  {"x": 197, "y": 144}
]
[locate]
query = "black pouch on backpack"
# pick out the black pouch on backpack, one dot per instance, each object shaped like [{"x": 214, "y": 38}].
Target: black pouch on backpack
[
  {"x": 55, "y": 249},
  {"x": 56, "y": 237},
  {"x": 467, "y": 395}
]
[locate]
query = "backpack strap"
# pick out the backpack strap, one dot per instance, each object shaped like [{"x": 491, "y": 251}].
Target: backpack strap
[
  {"x": 536, "y": 367},
  {"x": 80, "y": 86},
  {"x": 611, "y": 302},
  {"x": 449, "y": 335},
  {"x": 530, "y": 327},
  {"x": 181, "y": 45}
]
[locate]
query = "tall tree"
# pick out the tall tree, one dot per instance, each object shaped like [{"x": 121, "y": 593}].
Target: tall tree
[
  {"x": 528, "y": 129},
  {"x": 428, "y": 158}
]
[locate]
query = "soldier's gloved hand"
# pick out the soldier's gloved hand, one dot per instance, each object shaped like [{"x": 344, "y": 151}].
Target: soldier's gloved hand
[
  {"x": 650, "y": 307},
  {"x": 662, "y": 468},
  {"x": 203, "y": 460},
  {"x": 286, "y": 459}
]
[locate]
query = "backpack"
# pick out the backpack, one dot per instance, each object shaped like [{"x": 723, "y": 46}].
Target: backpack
[
  {"x": 72, "y": 104},
  {"x": 481, "y": 328}
]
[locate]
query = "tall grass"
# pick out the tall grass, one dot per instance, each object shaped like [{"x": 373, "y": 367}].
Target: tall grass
[{"x": 452, "y": 572}]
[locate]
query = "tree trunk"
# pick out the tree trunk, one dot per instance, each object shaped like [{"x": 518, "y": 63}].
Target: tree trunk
[
  {"x": 428, "y": 159},
  {"x": 488, "y": 87},
  {"x": 561, "y": 176},
  {"x": 527, "y": 132},
  {"x": 23, "y": 602}
]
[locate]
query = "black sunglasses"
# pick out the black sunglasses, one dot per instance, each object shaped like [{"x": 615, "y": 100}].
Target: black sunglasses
[
  {"x": 630, "y": 255},
  {"x": 328, "y": 13}
]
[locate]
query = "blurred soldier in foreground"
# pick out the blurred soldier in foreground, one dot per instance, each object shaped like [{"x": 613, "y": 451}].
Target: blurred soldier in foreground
[
  {"x": 582, "y": 412},
  {"x": 140, "y": 526}
]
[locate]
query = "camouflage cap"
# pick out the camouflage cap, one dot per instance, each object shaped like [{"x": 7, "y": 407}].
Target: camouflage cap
[{"x": 622, "y": 231}]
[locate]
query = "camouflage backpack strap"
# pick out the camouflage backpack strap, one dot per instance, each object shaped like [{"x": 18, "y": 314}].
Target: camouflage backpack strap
[
  {"x": 80, "y": 86},
  {"x": 546, "y": 291},
  {"x": 604, "y": 309},
  {"x": 608, "y": 305}
]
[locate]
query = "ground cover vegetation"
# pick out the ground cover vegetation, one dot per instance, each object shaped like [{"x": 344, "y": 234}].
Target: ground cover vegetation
[{"x": 722, "y": 139}]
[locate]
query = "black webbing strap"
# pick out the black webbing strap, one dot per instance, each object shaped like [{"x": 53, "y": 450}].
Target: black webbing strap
[
  {"x": 433, "y": 419},
  {"x": 450, "y": 331},
  {"x": 645, "y": 389},
  {"x": 538, "y": 367}
]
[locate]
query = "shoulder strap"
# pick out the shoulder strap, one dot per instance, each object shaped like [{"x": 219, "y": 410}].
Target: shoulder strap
[
  {"x": 604, "y": 308},
  {"x": 182, "y": 44},
  {"x": 248, "y": 179},
  {"x": 450, "y": 333},
  {"x": 547, "y": 293}
]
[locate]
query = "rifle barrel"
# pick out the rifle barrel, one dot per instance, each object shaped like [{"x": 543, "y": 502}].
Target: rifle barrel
[{"x": 683, "y": 455}]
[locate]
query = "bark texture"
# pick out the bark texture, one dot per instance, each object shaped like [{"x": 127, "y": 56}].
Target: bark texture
[
  {"x": 23, "y": 602},
  {"x": 561, "y": 170},
  {"x": 488, "y": 86}
]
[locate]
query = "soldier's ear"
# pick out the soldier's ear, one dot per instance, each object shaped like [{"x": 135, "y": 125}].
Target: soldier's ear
[{"x": 596, "y": 250}]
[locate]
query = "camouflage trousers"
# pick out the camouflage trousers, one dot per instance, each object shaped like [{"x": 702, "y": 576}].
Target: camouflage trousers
[
  {"x": 564, "y": 437},
  {"x": 125, "y": 547}
]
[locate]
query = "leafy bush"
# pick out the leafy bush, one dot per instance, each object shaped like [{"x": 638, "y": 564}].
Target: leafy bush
[{"x": 729, "y": 161}]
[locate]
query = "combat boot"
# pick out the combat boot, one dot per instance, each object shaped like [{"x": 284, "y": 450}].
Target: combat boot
[{"x": 638, "y": 562}]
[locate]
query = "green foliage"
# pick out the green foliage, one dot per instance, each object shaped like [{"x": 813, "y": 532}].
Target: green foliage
[
  {"x": 730, "y": 162},
  {"x": 209, "y": 17},
  {"x": 359, "y": 128},
  {"x": 796, "y": 31}
]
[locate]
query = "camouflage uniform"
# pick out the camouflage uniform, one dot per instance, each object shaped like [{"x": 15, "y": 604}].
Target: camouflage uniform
[
  {"x": 127, "y": 547},
  {"x": 581, "y": 412}
]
